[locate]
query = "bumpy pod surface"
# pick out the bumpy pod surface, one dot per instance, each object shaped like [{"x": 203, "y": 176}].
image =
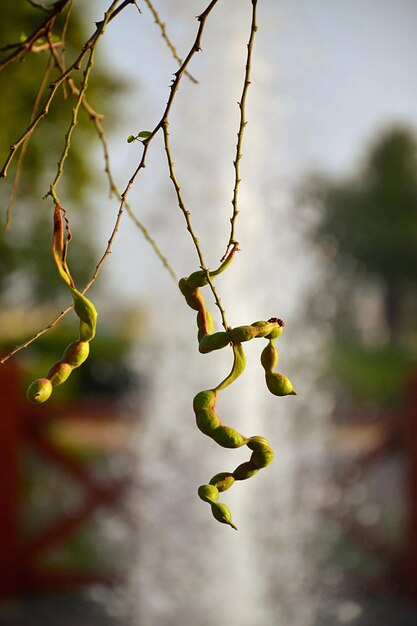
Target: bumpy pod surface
[
  {"x": 77, "y": 352},
  {"x": 278, "y": 384},
  {"x": 262, "y": 456},
  {"x": 39, "y": 391},
  {"x": 259, "y": 329},
  {"x": 204, "y": 402}
]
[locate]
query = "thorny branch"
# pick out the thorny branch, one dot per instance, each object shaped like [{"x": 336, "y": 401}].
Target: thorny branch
[
  {"x": 196, "y": 47},
  {"x": 242, "y": 126}
]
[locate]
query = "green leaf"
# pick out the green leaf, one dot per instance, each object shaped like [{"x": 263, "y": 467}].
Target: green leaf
[
  {"x": 130, "y": 139},
  {"x": 144, "y": 134}
]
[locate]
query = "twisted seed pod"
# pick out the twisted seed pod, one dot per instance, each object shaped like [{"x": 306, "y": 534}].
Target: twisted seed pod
[
  {"x": 278, "y": 384},
  {"x": 256, "y": 330},
  {"x": 76, "y": 352},
  {"x": 262, "y": 456},
  {"x": 189, "y": 287},
  {"x": 209, "y": 423},
  {"x": 204, "y": 403}
]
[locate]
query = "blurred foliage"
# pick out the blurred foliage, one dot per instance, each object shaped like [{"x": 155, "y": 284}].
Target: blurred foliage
[
  {"x": 366, "y": 231},
  {"x": 27, "y": 271}
]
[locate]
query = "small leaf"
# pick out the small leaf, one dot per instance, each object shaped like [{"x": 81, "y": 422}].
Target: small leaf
[
  {"x": 130, "y": 139},
  {"x": 144, "y": 134}
]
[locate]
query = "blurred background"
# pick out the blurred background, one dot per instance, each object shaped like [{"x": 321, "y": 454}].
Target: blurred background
[{"x": 100, "y": 520}]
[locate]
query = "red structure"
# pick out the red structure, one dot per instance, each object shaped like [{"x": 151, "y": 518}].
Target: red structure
[
  {"x": 22, "y": 425},
  {"x": 410, "y": 442}
]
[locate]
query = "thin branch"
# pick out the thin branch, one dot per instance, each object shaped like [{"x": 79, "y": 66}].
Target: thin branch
[
  {"x": 76, "y": 65},
  {"x": 115, "y": 190},
  {"x": 38, "y": 334},
  {"x": 190, "y": 229},
  {"x": 173, "y": 90},
  {"x": 196, "y": 47},
  {"x": 22, "y": 47},
  {"x": 166, "y": 38},
  {"x": 79, "y": 100},
  {"x": 242, "y": 126}
]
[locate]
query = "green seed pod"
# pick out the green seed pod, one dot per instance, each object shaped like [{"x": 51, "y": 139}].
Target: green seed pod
[
  {"x": 269, "y": 357},
  {"x": 59, "y": 372},
  {"x": 222, "y": 514},
  {"x": 76, "y": 353},
  {"x": 228, "y": 437},
  {"x": 205, "y": 324},
  {"x": 216, "y": 341},
  {"x": 207, "y": 421},
  {"x": 204, "y": 400},
  {"x": 239, "y": 364},
  {"x": 208, "y": 493},
  {"x": 241, "y": 334},
  {"x": 87, "y": 313},
  {"x": 277, "y": 330},
  {"x": 244, "y": 471},
  {"x": 279, "y": 385},
  {"x": 185, "y": 289},
  {"x": 222, "y": 481},
  {"x": 258, "y": 443},
  {"x": 197, "y": 279},
  {"x": 193, "y": 297},
  {"x": 262, "y": 458},
  {"x": 258, "y": 329},
  {"x": 39, "y": 391}
]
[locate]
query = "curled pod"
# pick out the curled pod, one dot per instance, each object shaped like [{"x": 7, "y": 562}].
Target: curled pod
[
  {"x": 59, "y": 373},
  {"x": 215, "y": 341},
  {"x": 76, "y": 353},
  {"x": 244, "y": 471},
  {"x": 205, "y": 324},
  {"x": 222, "y": 481},
  {"x": 261, "y": 458},
  {"x": 279, "y": 384},
  {"x": 278, "y": 329},
  {"x": 258, "y": 443},
  {"x": 189, "y": 294},
  {"x": 222, "y": 514},
  {"x": 39, "y": 391},
  {"x": 87, "y": 313},
  {"x": 269, "y": 357},
  {"x": 207, "y": 421},
  {"x": 196, "y": 279},
  {"x": 228, "y": 437},
  {"x": 208, "y": 493},
  {"x": 204, "y": 400},
  {"x": 258, "y": 329}
]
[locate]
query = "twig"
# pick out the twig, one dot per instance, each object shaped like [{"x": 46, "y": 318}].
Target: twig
[
  {"x": 146, "y": 142},
  {"x": 76, "y": 65},
  {"x": 115, "y": 190},
  {"x": 22, "y": 47},
  {"x": 190, "y": 229},
  {"x": 173, "y": 89},
  {"x": 79, "y": 100},
  {"x": 166, "y": 38},
  {"x": 38, "y": 334},
  {"x": 242, "y": 125}
]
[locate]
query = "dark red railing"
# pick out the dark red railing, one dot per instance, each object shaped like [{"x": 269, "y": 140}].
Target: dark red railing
[{"x": 23, "y": 426}]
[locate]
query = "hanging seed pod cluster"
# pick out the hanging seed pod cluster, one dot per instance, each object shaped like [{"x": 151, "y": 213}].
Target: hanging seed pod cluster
[
  {"x": 204, "y": 403},
  {"x": 49, "y": 38}
]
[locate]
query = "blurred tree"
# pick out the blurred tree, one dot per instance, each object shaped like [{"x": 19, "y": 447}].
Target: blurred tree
[
  {"x": 366, "y": 230},
  {"x": 25, "y": 247}
]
